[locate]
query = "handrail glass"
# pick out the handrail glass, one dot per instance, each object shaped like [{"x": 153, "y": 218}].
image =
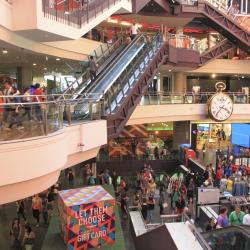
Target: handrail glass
[
  {"x": 161, "y": 98},
  {"x": 40, "y": 116}
]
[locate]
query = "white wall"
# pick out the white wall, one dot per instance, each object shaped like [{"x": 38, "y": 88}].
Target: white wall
[
  {"x": 39, "y": 22},
  {"x": 180, "y": 112},
  {"x": 26, "y": 162},
  {"x": 225, "y": 66}
]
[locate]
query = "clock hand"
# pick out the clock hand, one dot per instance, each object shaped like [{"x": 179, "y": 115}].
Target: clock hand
[
  {"x": 225, "y": 109},
  {"x": 218, "y": 111}
]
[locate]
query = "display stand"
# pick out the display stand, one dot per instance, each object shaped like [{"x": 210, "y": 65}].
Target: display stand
[{"x": 87, "y": 217}]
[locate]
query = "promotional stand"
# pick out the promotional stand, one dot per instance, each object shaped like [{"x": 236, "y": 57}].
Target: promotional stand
[{"x": 87, "y": 217}]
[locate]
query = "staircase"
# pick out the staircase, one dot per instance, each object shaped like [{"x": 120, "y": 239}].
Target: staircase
[
  {"x": 225, "y": 24},
  {"x": 219, "y": 50}
]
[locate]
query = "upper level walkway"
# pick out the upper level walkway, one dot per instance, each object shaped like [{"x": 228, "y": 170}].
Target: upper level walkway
[
  {"x": 53, "y": 20},
  {"x": 37, "y": 143}
]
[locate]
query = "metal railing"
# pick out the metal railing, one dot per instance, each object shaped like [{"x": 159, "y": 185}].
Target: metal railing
[
  {"x": 76, "y": 13},
  {"x": 189, "y": 42},
  {"x": 161, "y": 98},
  {"x": 227, "y": 7}
]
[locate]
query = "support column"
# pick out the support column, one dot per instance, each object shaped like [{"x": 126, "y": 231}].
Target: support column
[
  {"x": 24, "y": 77},
  {"x": 180, "y": 82},
  {"x": 181, "y": 133}
]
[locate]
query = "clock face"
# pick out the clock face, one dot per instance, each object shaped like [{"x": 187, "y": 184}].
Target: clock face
[{"x": 220, "y": 107}]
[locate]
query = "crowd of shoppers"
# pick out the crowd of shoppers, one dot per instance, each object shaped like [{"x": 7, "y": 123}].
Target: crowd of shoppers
[
  {"x": 22, "y": 233},
  {"x": 14, "y": 106}
]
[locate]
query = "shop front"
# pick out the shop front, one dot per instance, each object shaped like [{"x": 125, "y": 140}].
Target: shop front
[
  {"x": 144, "y": 141},
  {"x": 211, "y": 135}
]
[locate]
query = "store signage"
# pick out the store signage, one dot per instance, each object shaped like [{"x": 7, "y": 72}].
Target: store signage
[{"x": 87, "y": 217}]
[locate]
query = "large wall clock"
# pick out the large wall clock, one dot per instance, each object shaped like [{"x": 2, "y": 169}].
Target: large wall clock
[{"x": 220, "y": 105}]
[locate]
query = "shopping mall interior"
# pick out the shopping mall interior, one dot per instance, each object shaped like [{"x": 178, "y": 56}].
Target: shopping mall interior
[{"x": 125, "y": 123}]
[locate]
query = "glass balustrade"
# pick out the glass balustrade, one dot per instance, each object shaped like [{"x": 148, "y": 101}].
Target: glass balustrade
[
  {"x": 20, "y": 120},
  {"x": 161, "y": 98}
]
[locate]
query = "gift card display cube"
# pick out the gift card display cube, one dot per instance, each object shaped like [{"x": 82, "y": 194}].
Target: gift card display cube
[{"x": 87, "y": 217}]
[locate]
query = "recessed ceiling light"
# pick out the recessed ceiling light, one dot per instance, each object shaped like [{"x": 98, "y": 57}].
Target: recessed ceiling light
[
  {"x": 170, "y": 70},
  {"x": 58, "y": 59},
  {"x": 45, "y": 68},
  {"x": 5, "y": 51},
  {"x": 34, "y": 64},
  {"x": 213, "y": 75},
  {"x": 243, "y": 77}
]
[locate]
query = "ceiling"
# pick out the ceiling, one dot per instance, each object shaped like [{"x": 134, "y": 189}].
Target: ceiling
[{"x": 39, "y": 63}]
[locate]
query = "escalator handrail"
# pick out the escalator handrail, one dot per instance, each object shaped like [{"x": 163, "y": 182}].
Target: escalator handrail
[
  {"x": 112, "y": 64},
  {"x": 229, "y": 228},
  {"x": 87, "y": 69}
]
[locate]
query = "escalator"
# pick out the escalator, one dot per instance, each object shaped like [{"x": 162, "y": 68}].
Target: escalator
[
  {"x": 82, "y": 83},
  {"x": 120, "y": 85},
  {"x": 221, "y": 22},
  {"x": 230, "y": 238}
]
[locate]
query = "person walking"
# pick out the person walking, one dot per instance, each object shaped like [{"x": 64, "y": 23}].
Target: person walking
[
  {"x": 36, "y": 208},
  {"x": 236, "y": 217},
  {"x": 92, "y": 68},
  {"x": 71, "y": 177},
  {"x": 38, "y": 98},
  {"x": 151, "y": 206},
  {"x": 21, "y": 210},
  {"x": 134, "y": 30},
  {"x": 7, "y": 92},
  {"x": 162, "y": 202},
  {"x": 1, "y": 109},
  {"x": 222, "y": 220},
  {"x": 246, "y": 218},
  {"x": 15, "y": 109},
  {"x": 27, "y": 107},
  {"x": 15, "y": 233},
  {"x": 28, "y": 238}
]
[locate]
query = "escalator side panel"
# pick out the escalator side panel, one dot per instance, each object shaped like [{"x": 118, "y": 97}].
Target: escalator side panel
[{"x": 119, "y": 119}]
